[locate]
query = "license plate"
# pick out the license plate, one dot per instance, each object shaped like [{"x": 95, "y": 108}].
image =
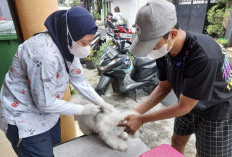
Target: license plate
[
  {"x": 110, "y": 51},
  {"x": 124, "y": 35}
]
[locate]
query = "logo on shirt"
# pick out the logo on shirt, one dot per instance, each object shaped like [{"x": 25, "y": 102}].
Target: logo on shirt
[
  {"x": 23, "y": 91},
  {"x": 58, "y": 96},
  {"x": 78, "y": 71},
  {"x": 226, "y": 74},
  {"x": 15, "y": 104}
]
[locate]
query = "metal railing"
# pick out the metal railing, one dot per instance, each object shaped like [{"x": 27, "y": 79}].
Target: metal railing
[{"x": 196, "y": 1}]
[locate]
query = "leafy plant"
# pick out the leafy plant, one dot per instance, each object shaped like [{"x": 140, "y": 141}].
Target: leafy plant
[
  {"x": 223, "y": 42},
  {"x": 125, "y": 22},
  {"x": 75, "y": 3},
  {"x": 96, "y": 15},
  {"x": 90, "y": 56},
  {"x": 215, "y": 17},
  {"x": 72, "y": 90},
  {"x": 97, "y": 57},
  {"x": 131, "y": 56}
]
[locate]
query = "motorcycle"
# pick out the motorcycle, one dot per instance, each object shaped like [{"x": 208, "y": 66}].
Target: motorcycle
[
  {"x": 118, "y": 69},
  {"x": 120, "y": 30}
]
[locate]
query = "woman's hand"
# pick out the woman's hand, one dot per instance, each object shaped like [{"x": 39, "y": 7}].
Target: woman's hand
[
  {"x": 90, "y": 109},
  {"x": 132, "y": 123}
]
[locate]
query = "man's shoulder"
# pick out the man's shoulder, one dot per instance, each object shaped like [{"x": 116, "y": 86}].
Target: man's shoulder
[{"x": 205, "y": 45}]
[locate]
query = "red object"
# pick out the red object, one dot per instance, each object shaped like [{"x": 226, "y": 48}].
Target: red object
[
  {"x": 3, "y": 18},
  {"x": 58, "y": 96},
  {"x": 23, "y": 91},
  {"x": 15, "y": 104},
  {"x": 78, "y": 71},
  {"x": 123, "y": 32},
  {"x": 11, "y": 69},
  {"x": 57, "y": 75},
  {"x": 163, "y": 150},
  {"x": 123, "y": 29}
]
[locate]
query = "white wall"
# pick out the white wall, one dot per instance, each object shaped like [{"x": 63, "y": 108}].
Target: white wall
[{"x": 128, "y": 8}]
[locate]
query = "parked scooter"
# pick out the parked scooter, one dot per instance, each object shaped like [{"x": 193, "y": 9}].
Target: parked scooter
[
  {"x": 120, "y": 30},
  {"x": 125, "y": 75}
]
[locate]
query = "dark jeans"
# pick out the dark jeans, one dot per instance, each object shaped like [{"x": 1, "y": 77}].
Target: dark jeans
[{"x": 35, "y": 146}]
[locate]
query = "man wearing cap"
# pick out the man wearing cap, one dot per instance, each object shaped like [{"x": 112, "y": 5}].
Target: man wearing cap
[{"x": 194, "y": 66}]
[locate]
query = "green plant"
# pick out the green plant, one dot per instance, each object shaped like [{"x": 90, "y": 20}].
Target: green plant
[
  {"x": 90, "y": 56},
  {"x": 131, "y": 56},
  {"x": 75, "y": 3},
  {"x": 72, "y": 90},
  {"x": 125, "y": 22},
  {"x": 215, "y": 17},
  {"x": 110, "y": 42},
  {"x": 97, "y": 57},
  {"x": 96, "y": 15},
  {"x": 224, "y": 42}
]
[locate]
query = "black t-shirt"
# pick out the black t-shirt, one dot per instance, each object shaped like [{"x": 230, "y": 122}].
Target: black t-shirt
[{"x": 202, "y": 72}]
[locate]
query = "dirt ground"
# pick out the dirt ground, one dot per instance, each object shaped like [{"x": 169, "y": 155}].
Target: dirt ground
[{"x": 153, "y": 133}]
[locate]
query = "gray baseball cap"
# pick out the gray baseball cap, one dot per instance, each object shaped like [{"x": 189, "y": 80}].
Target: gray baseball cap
[{"x": 153, "y": 21}]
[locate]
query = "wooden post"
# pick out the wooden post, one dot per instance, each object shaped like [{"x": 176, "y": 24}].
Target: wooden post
[
  {"x": 67, "y": 123},
  {"x": 31, "y": 15}
]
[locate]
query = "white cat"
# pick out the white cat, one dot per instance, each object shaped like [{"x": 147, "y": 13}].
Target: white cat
[{"x": 105, "y": 124}]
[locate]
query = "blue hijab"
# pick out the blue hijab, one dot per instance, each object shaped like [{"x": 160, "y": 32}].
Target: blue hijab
[{"x": 80, "y": 23}]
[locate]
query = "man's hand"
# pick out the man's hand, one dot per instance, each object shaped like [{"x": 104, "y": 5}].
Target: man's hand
[
  {"x": 90, "y": 109},
  {"x": 132, "y": 123}
]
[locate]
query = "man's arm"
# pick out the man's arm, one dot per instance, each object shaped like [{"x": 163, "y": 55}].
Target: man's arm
[
  {"x": 160, "y": 92},
  {"x": 184, "y": 106},
  {"x": 134, "y": 122}
]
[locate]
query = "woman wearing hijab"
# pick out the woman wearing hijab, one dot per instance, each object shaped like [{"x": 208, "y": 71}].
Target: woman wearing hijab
[{"x": 30, "y": 99}]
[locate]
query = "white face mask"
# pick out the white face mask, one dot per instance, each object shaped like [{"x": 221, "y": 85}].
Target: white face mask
[
  {"x": 155, "y": 54},
  {"x": 77, "y": 50}
]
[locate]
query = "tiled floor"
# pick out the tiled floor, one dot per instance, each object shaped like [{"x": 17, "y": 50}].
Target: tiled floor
[{"x": 6, "y": 149}]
